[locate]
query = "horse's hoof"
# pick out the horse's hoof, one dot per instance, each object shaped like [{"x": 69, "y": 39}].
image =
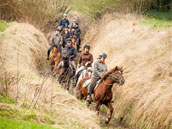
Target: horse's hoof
[
  {"x": 97, "y": 112},
  {"x": 107, "y": 121}
]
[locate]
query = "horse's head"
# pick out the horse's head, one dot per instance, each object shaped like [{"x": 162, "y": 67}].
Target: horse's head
[
  {"x": 89, "y": 71},
  {"x": 64, "y": 54},
  {"x": 116, "y": 74},
  {"x": 54, "y": 51}
]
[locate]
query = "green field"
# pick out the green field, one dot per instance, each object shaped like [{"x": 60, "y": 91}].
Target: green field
[
  {"x": 3, "y": 26},
  {"x": 157, "y": 19},
  {"x": 13, "y": 124}
]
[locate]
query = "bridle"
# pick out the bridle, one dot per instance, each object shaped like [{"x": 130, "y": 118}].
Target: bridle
[{"x": 114, "y": 77}]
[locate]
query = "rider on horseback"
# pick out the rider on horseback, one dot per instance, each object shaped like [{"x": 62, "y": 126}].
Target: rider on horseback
[
  {"x": 55, "y": 41},
  {"x": 99, "y": 68},
  {"x": 85, "y": 60},
  {"x": 64, "y": 22},
  {"x": 71, "y": 52},
  {"x": 78, "y": 31}
]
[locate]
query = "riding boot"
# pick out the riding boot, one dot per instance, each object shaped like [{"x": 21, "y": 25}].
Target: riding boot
[
  {"x": 75, "y": 78},
  {"x": 91, "y": 88}
]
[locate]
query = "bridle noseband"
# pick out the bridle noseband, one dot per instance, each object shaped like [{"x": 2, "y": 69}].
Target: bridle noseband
[{"x": 114, "y": 78}]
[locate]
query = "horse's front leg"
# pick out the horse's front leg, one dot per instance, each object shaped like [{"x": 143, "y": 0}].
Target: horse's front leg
[
  {"x": 111, "y": 111},
  {"x": 55, "y": 68},
  {"x": 97, "y": 107},
  {"x": 67, "y": 85}
]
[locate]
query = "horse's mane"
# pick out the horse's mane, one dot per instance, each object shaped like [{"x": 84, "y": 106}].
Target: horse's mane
[{"x": 105, "y": 75}]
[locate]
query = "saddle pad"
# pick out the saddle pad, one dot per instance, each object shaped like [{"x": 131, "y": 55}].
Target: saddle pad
[
  {"x": 97, "y": 83},
  {"x": 87, "y": 84}
]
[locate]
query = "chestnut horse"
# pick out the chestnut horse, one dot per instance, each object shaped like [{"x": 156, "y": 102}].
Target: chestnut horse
[
  {"x": 74, "y": 39},
  {"x": 103, "y": 92},
  {"x": 55, "y": 57}
]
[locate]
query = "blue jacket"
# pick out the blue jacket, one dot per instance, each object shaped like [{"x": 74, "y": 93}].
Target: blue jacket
[
  {"x": 64, "y": 22},
  {"x": 71, "y": 52}
]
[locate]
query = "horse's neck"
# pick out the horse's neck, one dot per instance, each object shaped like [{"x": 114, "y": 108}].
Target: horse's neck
[
  {"x": 109, "y": 83},
  {"x": 66, "y": 63}
]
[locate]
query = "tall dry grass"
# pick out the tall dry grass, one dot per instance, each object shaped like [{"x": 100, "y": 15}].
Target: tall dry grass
[
  {"x": 145, "y": 99},
  {"x": 44, "y": 14},
  {"x": 22, "y": 58}
]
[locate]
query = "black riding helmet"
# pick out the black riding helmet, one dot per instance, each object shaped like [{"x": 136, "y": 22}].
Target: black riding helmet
[{"x": 87, "y": 46}]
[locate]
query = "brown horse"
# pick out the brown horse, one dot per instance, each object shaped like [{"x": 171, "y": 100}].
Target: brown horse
[
  {"x": 65, "y": 71},
  {"x": 74, "y": 38},
  {"x": 74, "y": 42},
  {"x": 103, "y": 92},
  {"x": 55, "y": 57}
]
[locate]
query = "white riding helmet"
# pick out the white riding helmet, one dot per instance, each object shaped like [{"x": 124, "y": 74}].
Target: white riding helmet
[{"x": 65, "y": 15}]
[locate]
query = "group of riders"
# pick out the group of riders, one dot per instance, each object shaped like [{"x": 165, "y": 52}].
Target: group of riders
[{"x": 63, "y": 40}]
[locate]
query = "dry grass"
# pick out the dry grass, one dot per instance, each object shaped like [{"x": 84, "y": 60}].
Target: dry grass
[
  {"x": 23, "y": 56},
  {"x": 145, "y": 99}
]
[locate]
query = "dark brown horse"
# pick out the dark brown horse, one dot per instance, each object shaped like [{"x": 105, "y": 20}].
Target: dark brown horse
[
  {"x": 65, "y": 72},
  {"x": 103, "y": 92},
  {"x": 55, "y": 58}
]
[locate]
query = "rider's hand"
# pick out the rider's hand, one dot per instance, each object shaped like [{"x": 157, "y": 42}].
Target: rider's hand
[{"x": 101, "y": 76}]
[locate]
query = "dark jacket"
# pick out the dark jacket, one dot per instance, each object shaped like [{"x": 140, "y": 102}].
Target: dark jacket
[
  {"x": 84, "y": 58},
  {"x": 64, "y": 22},
  {"x": 78, "y": 30},
  {"x": 71, "y": 52}
]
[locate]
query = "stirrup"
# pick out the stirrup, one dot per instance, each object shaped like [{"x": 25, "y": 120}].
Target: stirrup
[{"x": 89, "y": 99}]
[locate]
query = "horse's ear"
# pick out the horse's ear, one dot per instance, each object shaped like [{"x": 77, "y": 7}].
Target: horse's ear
[{"x": 116, "y": 68}]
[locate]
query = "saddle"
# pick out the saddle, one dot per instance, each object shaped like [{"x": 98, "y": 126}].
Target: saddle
[{"x": 87, "y": 84}]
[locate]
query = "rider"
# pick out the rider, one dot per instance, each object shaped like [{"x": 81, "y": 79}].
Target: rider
[
  {"x": 78, "y": 30},
  {"x": 85, "y": 60},
  {"x": 65, "y": 35},
  {"x": 55, "y": 41},
  {"x": 99, "y": 68},
  {"x": 71, "y": 52},
  {"x": 64, "y": 22},
  {"x": 73, "y": 23}
]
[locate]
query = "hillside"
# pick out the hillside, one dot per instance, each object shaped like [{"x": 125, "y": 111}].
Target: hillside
[
  {"x": 34, "y": 96},
  {"x": 146, "y": 55}
]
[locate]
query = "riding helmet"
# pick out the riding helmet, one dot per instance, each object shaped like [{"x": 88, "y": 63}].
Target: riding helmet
[
  {"x": 103, "y": 54},
  {"x": 68, "y": 40},
  {"x": 87, "y": 46},
  {"x": 65, "y": 15}
]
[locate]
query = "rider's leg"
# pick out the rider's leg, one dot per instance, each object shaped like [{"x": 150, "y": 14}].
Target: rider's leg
[
  {"x": 73, "y": 64},
  {"x": 48, "y": 54},
  {"x": 77, "y": 74},
  {"x": 91, "y": 88}
]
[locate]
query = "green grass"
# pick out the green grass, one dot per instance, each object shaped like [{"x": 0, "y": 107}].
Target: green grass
[
  {"x": 3, "y": 26},
  {"x": 13, "y": 124},
  {"x": 158, "y": 19},
  {"x": 4, "y": 99}
]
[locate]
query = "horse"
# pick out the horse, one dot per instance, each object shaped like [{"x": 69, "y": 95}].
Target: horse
[
  {"x": 103, "y": 92},
  {"x": 87, "y": 72},
  {"x": 65, "y": 71},
  {"x": 55, "y": 57},
  {"x": 74, "y": 40}
]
